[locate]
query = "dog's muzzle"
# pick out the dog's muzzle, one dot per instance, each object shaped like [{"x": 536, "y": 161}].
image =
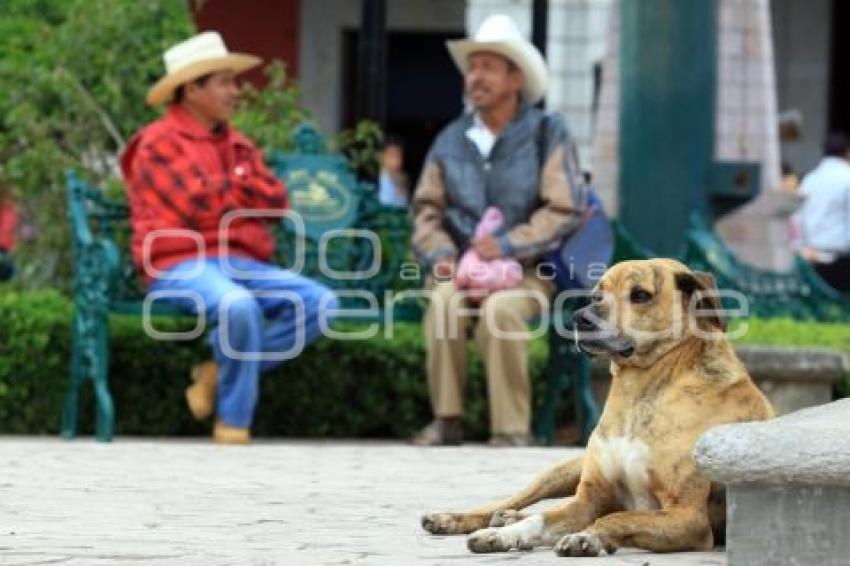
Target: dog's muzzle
[{"x": 595, "y": 336}]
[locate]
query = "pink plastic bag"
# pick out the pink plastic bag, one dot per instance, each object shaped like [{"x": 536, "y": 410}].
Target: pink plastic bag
[{"x": 481, "y": 276}]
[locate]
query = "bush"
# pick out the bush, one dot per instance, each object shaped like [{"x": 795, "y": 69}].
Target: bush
[
  {"x": 74, "y": 75},
  {"x": 787, "y": 332},
  {"x": 375, "y": 388},
  {"x": 336, "y": 388},
  {"x": 73, "y": 79}
]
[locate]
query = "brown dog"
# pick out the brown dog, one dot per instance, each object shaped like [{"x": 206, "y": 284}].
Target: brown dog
[{"x": 674, "y": 376}]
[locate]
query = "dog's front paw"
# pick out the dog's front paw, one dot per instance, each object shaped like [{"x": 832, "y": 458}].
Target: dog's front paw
[
  {"x": 495, "y": 540},
  {"x": 505, "y": 517},
  {"x": 523, "y": 535},
  {"x": 582, "y": 544},
  {"x": 439, "y": 523},
  {"x": 452, "y": 523}
]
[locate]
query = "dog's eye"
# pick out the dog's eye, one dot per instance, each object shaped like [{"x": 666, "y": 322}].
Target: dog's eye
[
  {"x": 640, "y": 296},
  {"x": 597, "y": 296}
]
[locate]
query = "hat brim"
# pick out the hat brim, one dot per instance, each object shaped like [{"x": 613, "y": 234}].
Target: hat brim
[
  {"x": 164, "y": 88},
  {"x": 522, "y": 54}
]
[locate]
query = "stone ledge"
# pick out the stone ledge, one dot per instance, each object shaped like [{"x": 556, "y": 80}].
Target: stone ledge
[
  {"x": 793, "y": 364},
  {"x": 792, "y": 378},
  {"x": 780, "y": 363},
  {"x": 811, "y": 447}
]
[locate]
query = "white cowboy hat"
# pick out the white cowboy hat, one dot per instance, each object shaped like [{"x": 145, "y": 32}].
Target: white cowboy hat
[
  {"x": 499, "y": 34},
  {"x": 197, "y": 56}
]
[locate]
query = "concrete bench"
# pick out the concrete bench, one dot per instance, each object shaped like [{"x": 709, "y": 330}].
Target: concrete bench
[{"x": 788, "y": 486}]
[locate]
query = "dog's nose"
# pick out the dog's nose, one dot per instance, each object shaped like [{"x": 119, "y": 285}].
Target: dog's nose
[{"x": 582, "y": 321}]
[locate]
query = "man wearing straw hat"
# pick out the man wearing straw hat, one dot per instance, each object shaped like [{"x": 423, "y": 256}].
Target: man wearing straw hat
[
  {"x": 507, "y": 154},
  {"x": 198, "y": 192}
]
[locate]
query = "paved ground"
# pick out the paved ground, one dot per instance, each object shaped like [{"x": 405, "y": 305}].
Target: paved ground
[{"x": 292, "y": 503}]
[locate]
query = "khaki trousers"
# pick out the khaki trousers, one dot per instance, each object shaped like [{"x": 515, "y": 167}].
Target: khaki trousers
[{"x": 501, "y": 332}]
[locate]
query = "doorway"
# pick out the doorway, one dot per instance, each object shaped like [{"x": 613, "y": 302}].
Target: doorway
[{"x": 424, "y": 90}]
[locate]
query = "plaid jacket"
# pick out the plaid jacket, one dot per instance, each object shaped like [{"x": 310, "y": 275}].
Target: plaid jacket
[
  {"x": 8, "y": 226},
  {"x": 181, "y": 176}
]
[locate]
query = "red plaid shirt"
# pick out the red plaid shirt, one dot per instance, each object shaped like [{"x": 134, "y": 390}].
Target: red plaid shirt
[
  {"x": 8, "y": 226},
  {"x": 181, "y": 176}
]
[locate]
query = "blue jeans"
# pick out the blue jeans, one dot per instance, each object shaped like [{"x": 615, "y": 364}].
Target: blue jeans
[
  {"x": 256, "y": 327},
  {"x": 7, "y": 267}
]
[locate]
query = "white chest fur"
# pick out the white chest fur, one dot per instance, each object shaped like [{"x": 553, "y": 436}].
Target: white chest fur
[{"x": 624, "y": 462}]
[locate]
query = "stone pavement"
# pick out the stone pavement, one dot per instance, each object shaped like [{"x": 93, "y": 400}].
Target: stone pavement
[{"x": 174, "y": 502}]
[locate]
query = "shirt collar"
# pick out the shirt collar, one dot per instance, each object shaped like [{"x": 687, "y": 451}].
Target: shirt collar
[
  {"x": 188, "y": 125},
  {"x": 477, "y": 122},
  {"x": 523, "y": 109}
]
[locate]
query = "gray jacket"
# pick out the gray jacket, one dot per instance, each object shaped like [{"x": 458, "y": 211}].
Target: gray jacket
[{"x": 458, "y": 184}]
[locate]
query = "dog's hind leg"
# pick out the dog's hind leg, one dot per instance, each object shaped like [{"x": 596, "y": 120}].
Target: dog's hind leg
[
  {"x": 668, "y": 530},
  {"x": 558, "y": 481},
  {"x": 680, "y": 524},
  {"x": 538, "y": 529}
]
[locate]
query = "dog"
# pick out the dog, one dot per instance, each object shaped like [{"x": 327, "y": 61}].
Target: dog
[{"x": 674, "y": 375}]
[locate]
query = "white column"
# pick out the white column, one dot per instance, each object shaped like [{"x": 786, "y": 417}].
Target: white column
[{"x": 746, "y": 129}]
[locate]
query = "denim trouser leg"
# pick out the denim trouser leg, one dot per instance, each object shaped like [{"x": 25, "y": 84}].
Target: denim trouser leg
[{"x": 264, "y": 316}]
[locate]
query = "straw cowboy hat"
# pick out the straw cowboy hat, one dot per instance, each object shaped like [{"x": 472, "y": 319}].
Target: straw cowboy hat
[
  {"x": 499, "y": 34},
  {"x": 197, "y": 56}
]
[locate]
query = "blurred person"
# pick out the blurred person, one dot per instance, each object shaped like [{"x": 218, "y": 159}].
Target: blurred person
[
  {"x": 8, "y": 232},
  {"x": 506, "y": 154},
  {"x": 184, "y": 172},
  {"x": 824, "y": 218},
  {"x": 790, "y": 181},
  {"x": 392, "y": 181}
]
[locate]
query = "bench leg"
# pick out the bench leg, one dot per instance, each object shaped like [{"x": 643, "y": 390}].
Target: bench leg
[
  {"x": 105, "y": 413},
  {"x": 567, "y": 368},
  {"x": 90, "y": 361},
  {"x": 558, "y": 380},
  {"x": 69, "y": 412},
  {"x": 588, "y": 410},
  {"x": 105, "y": 422},
  {"x": 75, "y": 378}
]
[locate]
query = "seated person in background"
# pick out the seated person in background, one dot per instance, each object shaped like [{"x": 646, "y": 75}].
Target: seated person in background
[
  {"x": 8, "y": 231},
  {"x": 509, "y": 155},
  {"x": 824, "y": 218},
  {"x": 790, "y": 181},
  {"x": 184, "y": 172},
  {"x": 392, "y": 182}
]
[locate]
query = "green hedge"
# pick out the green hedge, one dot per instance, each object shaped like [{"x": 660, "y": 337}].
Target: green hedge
[
  {"x": 787, "y": 332},
  {"x": 375, "y": 388}
]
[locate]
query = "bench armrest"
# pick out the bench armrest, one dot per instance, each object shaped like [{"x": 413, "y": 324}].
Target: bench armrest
[
  {"x": 81, "y": 232},
  {"x": 97, "y": 259}
]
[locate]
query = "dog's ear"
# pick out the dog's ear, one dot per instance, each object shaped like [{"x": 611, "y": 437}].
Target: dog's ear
[{"x": 704, "y": 286}]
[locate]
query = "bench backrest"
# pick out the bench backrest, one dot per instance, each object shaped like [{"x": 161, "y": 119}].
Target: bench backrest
[
  {"x": 798, "y": 294},
  {"x": 337, "y": 232}
]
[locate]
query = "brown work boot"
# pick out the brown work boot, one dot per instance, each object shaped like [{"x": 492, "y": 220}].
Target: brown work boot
[
  {"x": 201, "y": 394},
  {"x": 226, "y": 434},
  {"x": 502, "y": 440},
  {"x": 445, "y": 431}
]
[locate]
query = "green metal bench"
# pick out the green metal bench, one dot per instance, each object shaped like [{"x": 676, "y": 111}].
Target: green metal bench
[
  {"x": 799, "y": 293},
  {"x": 322, "y": 189},
  {"x": 339, "y": 214}
]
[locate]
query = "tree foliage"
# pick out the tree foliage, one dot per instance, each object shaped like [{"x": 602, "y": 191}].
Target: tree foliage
[
  {"x": 74, "y": 75},
  {"x": 73, "y": 79}
]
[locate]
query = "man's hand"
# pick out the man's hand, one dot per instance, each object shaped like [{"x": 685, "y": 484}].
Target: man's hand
[
  {"x": 444, "y": 269},
  {"x": 811, "y": 255},
  {"x": 487, "y": 247}
]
